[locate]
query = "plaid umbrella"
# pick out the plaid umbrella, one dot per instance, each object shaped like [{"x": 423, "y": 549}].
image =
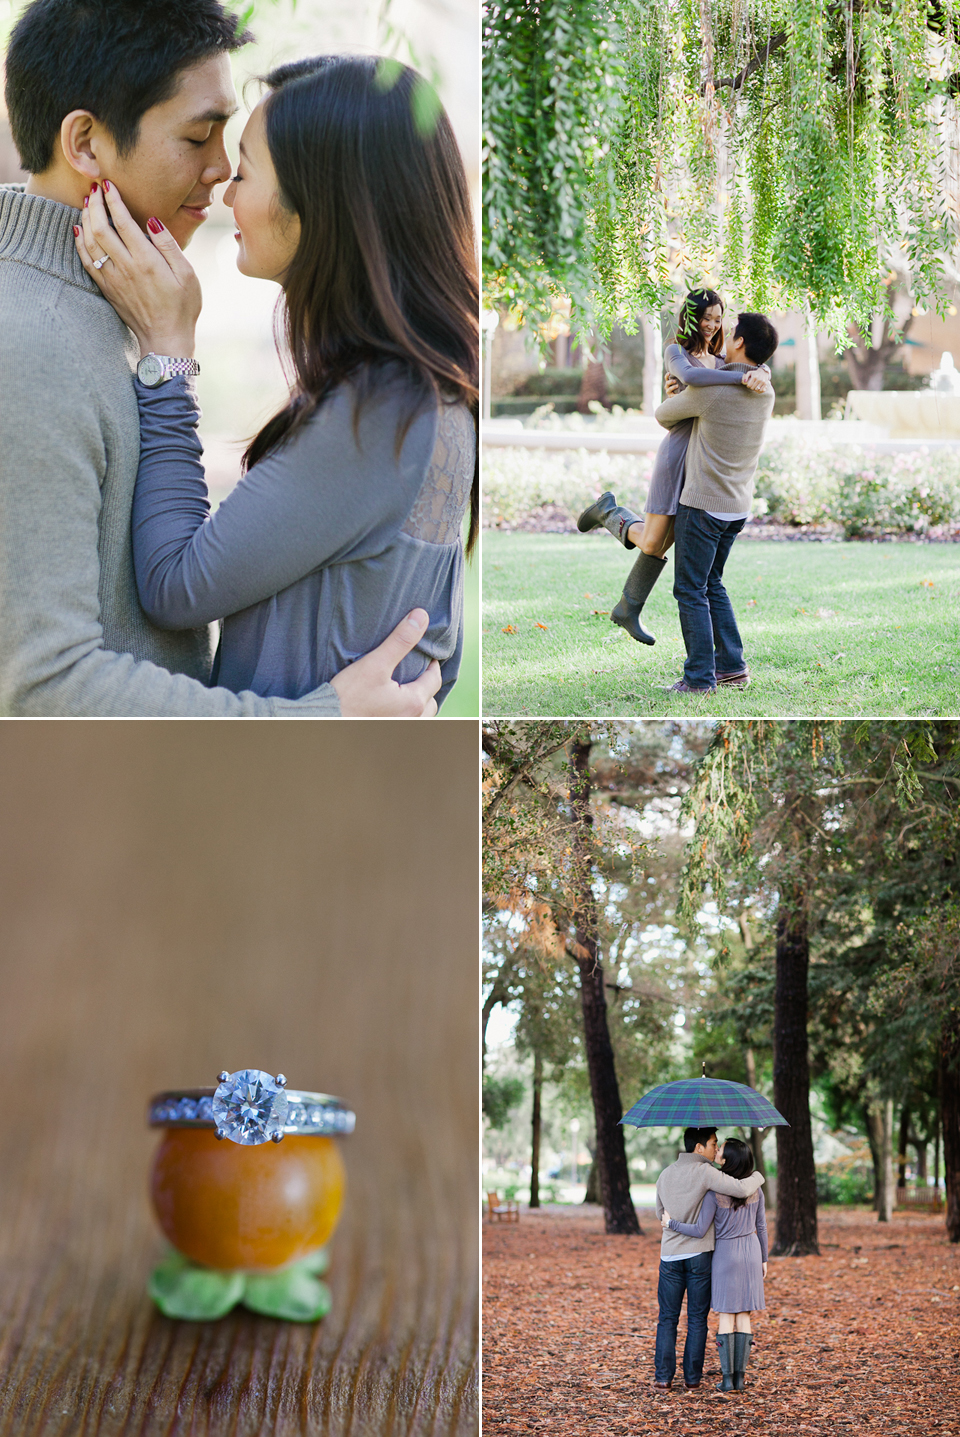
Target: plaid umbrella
[{"x": 703, "y": 1103}]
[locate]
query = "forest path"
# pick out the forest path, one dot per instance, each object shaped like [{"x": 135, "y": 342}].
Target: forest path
[{"x": 860, "y": 1340}]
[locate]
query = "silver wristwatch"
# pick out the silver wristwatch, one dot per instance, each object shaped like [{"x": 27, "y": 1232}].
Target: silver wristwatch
[{"x": 156, "y": 369}]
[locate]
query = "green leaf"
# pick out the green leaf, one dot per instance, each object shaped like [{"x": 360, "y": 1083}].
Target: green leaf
[
  {"x": 426, "y": 107},
  {"x": 388, "y": 72},
  {"x": 182, "y": 1289},
  {"x": 292, "y": 1293},
  {"x": 315, "y": 1262}
]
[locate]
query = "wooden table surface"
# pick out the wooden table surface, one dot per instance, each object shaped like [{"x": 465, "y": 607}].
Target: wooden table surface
[{"x": 178, "y": 898}]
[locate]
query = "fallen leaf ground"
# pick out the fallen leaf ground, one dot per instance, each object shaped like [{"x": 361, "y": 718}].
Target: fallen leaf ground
[{"x": 860, "y": 1340}]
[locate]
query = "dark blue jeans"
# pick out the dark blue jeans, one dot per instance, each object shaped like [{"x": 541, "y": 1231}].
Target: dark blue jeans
[
  {"x": 709, "y": 628},
  {"x": 691, "y": 1275}
]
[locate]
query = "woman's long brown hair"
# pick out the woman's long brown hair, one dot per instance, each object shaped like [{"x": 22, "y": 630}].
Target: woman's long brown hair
[
  {"x": 385, "y": 268},
  {"x": 695, "y": 306}
]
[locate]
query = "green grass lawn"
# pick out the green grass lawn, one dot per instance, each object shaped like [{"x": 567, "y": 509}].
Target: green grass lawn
[{"x": 828, "y": 629}]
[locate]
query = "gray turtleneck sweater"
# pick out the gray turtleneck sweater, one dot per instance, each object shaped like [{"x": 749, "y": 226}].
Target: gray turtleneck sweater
[{"x": 74, "y": 639}]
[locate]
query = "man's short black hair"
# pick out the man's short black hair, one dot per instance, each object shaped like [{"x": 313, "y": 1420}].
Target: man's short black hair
[
  {"x": 760, "y": 339},
  {"x": 115, "y": 58},
  {"x": 693, "y": 1136}
]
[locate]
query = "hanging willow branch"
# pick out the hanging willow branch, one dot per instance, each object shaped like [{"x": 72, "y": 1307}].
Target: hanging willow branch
[{"x": 783, "y": 150}]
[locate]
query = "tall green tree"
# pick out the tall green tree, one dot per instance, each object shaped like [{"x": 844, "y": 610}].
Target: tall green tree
[{"x": 844, "y": 836}]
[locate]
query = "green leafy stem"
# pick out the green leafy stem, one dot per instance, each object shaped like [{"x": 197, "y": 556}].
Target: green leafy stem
[{"x": 184, "y": 1289}]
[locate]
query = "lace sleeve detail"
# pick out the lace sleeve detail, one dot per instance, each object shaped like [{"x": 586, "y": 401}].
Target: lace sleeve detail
[{"x": 437, "y": 515}]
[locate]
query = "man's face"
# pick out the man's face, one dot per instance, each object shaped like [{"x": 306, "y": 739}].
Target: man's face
[
  {"x": 709, "y": 1148},
  {"x": 179, "y": 155},
  {"x": 734, "y": 352}
]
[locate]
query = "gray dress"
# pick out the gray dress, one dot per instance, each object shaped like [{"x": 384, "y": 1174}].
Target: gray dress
[
  {"x": 668, "y": 467},
  {"x": 736, "y": 1279},
  {"x": 322, "y": 547}
]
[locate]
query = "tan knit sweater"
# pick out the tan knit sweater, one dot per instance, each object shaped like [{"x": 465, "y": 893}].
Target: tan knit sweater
[
  {"x": 681, "y": 1189},
  {"x": 74, "y": 639},
  {"x": 724, "y": 446}
]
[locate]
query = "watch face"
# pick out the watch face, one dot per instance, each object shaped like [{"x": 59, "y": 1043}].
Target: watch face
[{"x": 150, "y": 371}]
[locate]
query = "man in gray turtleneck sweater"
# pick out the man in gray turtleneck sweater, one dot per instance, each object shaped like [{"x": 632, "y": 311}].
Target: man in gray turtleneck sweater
[
  {"x": 138, "y": 91},
  {"x": 686, "y": 1262}
]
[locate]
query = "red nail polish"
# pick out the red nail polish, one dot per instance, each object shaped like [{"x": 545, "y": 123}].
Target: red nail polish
[
  {"x": 76, "y": 231},
  {"x": 86, "y": 201},
  {"x": 93, "y": 188},
  {"x": 106, "y": 184},
  {"x": 154, "y": 226}
]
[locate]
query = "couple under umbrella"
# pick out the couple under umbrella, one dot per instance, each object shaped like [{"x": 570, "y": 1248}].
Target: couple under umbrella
[{"x": 714, "y": 1240}]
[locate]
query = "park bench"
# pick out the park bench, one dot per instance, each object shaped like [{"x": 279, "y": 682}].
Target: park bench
[
  {"x": 506, "y": 1211},
  {"x": 929, "y": 1198}
]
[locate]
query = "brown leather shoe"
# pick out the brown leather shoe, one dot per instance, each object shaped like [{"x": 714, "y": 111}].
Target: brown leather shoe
[
  {"x": 682, "y": 687},
  {"x": 690, "y": 1386},
  {"x": 738, "y": 680},
  {"x": 664, "y": 1386}
]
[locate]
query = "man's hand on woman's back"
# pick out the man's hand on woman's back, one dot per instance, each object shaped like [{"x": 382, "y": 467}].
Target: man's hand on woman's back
[{"x": 366, "y": 688}]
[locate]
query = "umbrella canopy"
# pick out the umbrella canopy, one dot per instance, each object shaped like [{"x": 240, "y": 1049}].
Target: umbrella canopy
[{"x": 703, "y": 1103}]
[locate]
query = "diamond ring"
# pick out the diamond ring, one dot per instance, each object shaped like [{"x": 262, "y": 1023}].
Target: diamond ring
[
  {"x": 251, "y": 1107},
  {"x": 99, "y": 263}
]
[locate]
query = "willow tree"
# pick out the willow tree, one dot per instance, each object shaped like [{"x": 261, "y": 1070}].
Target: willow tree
[{"x": 783, "y": 149}]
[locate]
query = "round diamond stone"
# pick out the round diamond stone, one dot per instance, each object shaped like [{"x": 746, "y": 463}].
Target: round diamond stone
[{"x": 249, "y": 1107}]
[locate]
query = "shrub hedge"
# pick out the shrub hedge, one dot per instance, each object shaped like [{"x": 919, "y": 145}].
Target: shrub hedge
[{"x": 867, "y": 492}]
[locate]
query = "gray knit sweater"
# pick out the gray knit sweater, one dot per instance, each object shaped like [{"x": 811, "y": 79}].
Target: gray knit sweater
[
  {"x": 681, "y": 1189},
  {"x": 74, "y": 639},
  {"x": 724, "y": 446}
]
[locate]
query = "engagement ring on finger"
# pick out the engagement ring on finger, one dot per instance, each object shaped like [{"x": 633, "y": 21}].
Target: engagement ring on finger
[
  {"x": 251, "y": 1107},
  {"x": 99, "y": 263}
]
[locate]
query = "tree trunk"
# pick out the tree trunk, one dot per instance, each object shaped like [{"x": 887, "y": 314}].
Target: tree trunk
[
  {"x": 921, "y": 1148},
  {"x": 593, "y": 387},
  {"x": 874, "y": 1125},
  {"x": 808, "y": 372},
  {"x": 592, "y": 1194},
  {"x": 887, "y": 1190},
  {"x": 652, "y": 364},
  {"x": 796, "y": 1175},
  {"x": 619, "y": 1213},
  {"x": 535, "y": 1143},
  {"x": 756, "y": 1134},
  {"x": 950, "y": 1118},
  {"x": 936, "y": 1151},
  {"x": 902, "y": 1152}
]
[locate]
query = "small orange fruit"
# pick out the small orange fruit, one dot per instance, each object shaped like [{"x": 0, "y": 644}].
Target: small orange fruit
[{"x": 229, "y": 1206}]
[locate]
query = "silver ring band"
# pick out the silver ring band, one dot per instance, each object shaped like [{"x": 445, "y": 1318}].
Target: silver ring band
[
  {"x": 99, "y": 263},
  {"x": 251, "y": 1107}
]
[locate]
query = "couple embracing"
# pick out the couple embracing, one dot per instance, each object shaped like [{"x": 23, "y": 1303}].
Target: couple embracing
[
  {"x": 714, "y": 1249},
  {"x": 720, "y": 399},
  {"x": 331, "y": 578}
]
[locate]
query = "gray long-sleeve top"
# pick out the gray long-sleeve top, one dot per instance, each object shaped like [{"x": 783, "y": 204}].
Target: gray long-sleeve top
[
  {"x": 730, "y": 1221},
  {"x": 321, "y": 548},
  {"x": 682, "y": 367}
]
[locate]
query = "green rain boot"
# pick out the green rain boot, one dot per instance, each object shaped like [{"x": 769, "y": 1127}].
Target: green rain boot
[
  {"x": 741, "y": 1356},
  {"x": 641, "y": 579},
  {"x": 725, "y": 1347},
  {"x": 612, "y": 516}
]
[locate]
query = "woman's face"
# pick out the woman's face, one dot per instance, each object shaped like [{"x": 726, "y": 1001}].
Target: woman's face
[
  {"x": 710, "y": 322},
  {"x": 719, "y": 1157},
  {"x": 267, "y": 234}
]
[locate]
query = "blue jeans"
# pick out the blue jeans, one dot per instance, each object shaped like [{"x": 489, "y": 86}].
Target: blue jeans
[
  {"x": 710, "y": 632},
  {"x": 691, "y": 1275}
]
